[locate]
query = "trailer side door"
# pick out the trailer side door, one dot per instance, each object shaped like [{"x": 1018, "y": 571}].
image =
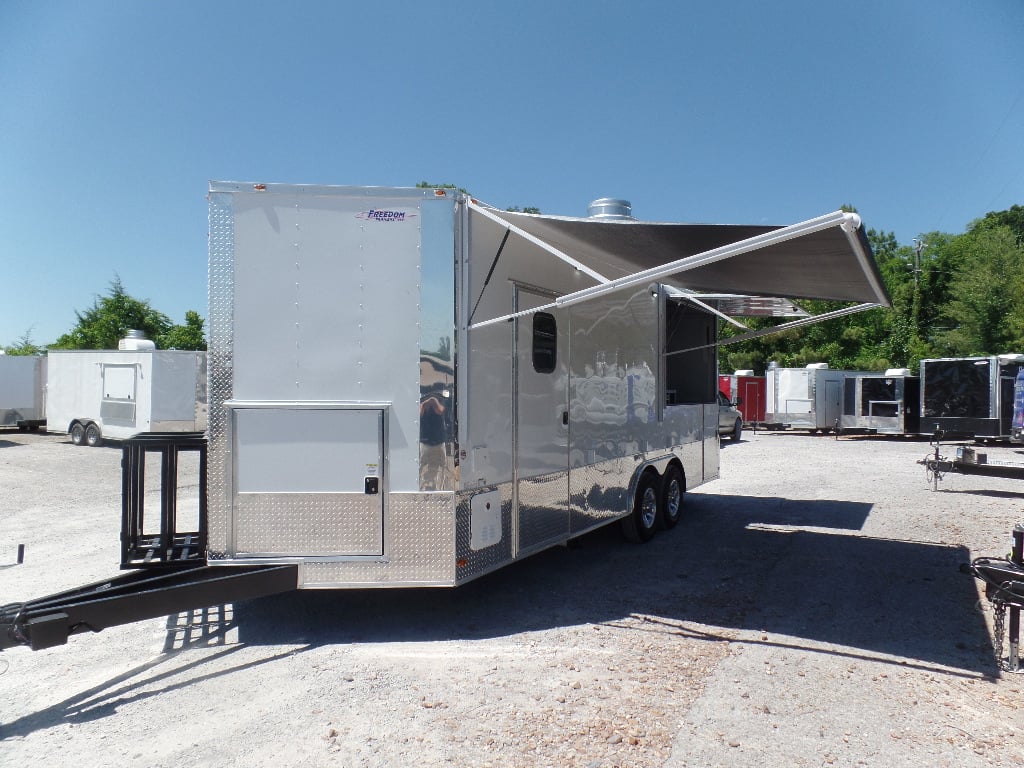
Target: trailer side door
[{"x": 541, "y": 425}]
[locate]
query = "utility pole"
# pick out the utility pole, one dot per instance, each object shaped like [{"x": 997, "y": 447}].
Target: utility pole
[
  {"x": 918, "y": 247},
  {"x": 916, "y": 308}
]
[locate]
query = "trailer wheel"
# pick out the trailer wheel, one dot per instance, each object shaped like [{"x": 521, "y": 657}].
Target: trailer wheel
[
  {"x": 642, "y": 522},
  {"x": 93, "y": 436},
  {"x": 672, "y": 490},
  {"x": 737, "y": 430},
  {"x": 77, "y": 433}
]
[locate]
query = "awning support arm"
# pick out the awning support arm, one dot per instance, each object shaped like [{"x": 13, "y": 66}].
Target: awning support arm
[
  {"x": 713, "y": 311},
  {"x": 490, "y": 272},
  {"x": 780, "y": 328}
]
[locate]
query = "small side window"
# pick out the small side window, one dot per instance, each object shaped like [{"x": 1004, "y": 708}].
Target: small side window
[{"x": 545, "y": 343}]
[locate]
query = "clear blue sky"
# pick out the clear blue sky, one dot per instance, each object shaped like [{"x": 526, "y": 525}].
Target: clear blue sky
[{"x": 115, "y": 115}]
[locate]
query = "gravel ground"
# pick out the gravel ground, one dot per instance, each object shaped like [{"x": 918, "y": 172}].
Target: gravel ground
[{"x": 808, "y": 611}]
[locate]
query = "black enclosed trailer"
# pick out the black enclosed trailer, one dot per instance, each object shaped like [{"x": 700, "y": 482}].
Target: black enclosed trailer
[{"x": 969, "y": 396}]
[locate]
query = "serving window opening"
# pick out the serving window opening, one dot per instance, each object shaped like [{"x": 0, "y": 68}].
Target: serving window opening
[{"x": 689, "y": 354}]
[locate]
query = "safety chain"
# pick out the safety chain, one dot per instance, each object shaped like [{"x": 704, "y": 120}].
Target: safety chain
[
  {"x": 932, "y": 475},
  {"x": 999, "y": 629}
]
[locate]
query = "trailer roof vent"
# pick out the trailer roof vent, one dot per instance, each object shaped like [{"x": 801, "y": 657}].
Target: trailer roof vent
[
  {"x": 744, "y": 372},
  {"x": 610, "y": 209},
  {"x": 817, "y": 365},
  {"x": 135, "y": 341},
  {"x": 898, "y": 372}
]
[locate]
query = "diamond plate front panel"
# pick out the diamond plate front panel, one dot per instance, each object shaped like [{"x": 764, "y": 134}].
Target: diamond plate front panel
[
  {"x": 308, "y": 524},
  {"x": 420, "y": 550},
  {"x": 219, "y": 371}
]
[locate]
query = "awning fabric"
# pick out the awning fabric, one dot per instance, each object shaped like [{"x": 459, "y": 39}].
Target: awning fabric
[{"x": 824, "y": 258}]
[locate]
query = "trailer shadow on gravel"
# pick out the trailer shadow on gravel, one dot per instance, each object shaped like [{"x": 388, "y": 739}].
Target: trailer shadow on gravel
[{"x": 796, "y": 572}]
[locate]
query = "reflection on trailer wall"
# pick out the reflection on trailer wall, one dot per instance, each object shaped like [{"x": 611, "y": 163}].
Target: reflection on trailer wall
[{"x": 969, "y": 396}]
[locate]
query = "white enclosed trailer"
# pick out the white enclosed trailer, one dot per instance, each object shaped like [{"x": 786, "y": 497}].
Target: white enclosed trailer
[
  {"x": 454, "y": 387},
  {"x": 408, "y": 388},
  {"x": 22, "y": 396},
  {"x": 805, "y": 398},
  {"x": 121, "y": 393}
]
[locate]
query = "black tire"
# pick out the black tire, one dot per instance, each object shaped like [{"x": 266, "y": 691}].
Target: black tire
[
  {"x": 737, "y": 430},
  {"x": 642, "y": 522},
  {"x": 673, "y": 489},
  {"x": 93, "y": 436},
  {"x": 77, "y": 433}
]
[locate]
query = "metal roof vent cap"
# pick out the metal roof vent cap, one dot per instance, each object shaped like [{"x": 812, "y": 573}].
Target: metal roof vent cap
[
  {"x": 610, "y": 209},
  {"x": 135, "y": 341}
]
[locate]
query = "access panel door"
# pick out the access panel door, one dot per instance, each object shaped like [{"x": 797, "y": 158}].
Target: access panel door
[
  {"x": 541, "y": 424},
  {"x": 119, "y": 402},
  {"x": 308, "y": 482}
]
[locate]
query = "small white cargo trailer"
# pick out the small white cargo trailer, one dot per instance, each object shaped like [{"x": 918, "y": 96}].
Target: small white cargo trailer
[
  {"x": 808, "y": 398},
  {"x": 454, "y": 387},
  {"x": 117, "y": 394},
  {"x": 22, "y": 398}
]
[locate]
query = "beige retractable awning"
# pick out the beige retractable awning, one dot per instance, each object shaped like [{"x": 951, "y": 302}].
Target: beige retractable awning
[{"x": 824, "y": 258}]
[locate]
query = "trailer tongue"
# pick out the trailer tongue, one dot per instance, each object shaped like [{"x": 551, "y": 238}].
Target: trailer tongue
[
  {"x": 169, "y": 572},
  {"x": 131, "y": 597}
]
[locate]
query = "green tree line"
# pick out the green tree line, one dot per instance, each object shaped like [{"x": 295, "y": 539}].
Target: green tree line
[{"x": 110, "y": 318}]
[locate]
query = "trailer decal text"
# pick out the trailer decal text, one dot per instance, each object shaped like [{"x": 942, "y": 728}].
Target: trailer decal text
[{"x": 377, "y": 215}]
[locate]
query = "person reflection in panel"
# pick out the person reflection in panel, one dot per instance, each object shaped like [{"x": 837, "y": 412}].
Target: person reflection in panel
[{"x": 433, "y": 432}]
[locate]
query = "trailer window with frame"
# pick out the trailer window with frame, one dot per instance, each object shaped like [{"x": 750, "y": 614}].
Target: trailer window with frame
[{"x": 545, "y": 342}]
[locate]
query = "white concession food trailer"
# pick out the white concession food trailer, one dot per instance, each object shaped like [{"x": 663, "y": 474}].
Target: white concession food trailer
[
  {"x": 410, "y": 388},
  {"x": 455, "y": 387}
]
